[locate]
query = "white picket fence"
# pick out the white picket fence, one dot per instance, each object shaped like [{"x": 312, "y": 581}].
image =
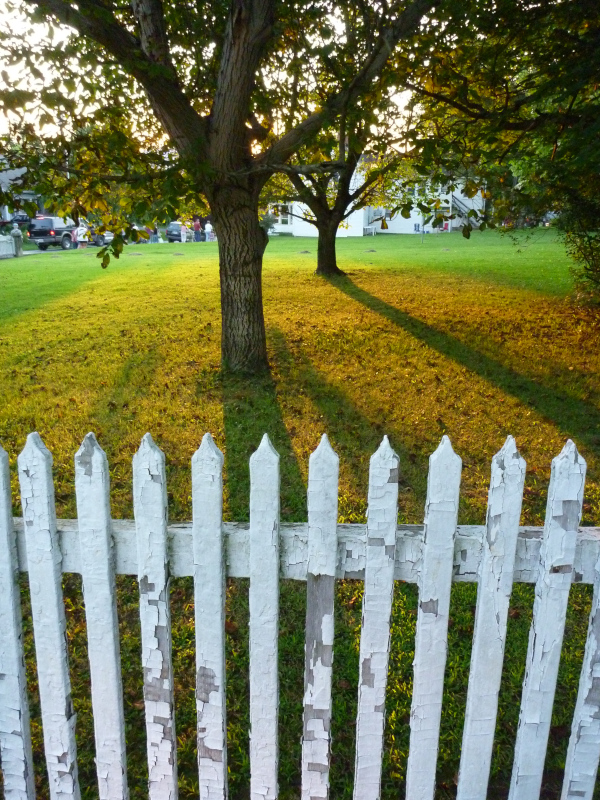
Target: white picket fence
[
  {"x": 7, "y": 247},
  {"x": 432, "y": 555}
]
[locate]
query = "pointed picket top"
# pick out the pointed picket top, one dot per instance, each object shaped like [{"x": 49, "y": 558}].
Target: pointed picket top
[
  {"x": 323, "y": 479},
  {"x": 149, "y": 452},
  {"x": 508, "y": 468},
  {"x": 208, "y": 457},
  {"x": 384, "y": 453},
  {"x": 507, "y": 452},
  {"x": 90, "y": 458},
  {"x": 34, "y": 449},
  {"x": 323, "y": 456},
  {"x": 568, "y": 461},
  {"x": 567, "y": 480},
  {"x": 507, "y": 461},
  {"x": 444, "y": 473},
  {"x": 264, "y": 452}
]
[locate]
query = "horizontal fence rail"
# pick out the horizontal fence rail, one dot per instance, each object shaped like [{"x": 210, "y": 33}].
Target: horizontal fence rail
[
  {"x": 432, "y": 555},
  {"x": 350, "y": 550}
]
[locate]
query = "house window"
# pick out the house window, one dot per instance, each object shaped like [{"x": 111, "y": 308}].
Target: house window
[{"x": 281, "y": 214}]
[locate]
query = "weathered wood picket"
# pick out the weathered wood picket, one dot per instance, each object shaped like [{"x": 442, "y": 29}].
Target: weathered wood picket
[{"x": 432, "y": 555}]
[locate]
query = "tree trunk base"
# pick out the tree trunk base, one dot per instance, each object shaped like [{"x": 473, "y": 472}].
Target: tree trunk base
[{"x": 330, "y": 273}]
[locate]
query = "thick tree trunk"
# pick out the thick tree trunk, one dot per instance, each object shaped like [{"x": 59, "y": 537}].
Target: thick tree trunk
[
  {"x": 326, "y": 256},
  {"x": 242, "y": 243}
]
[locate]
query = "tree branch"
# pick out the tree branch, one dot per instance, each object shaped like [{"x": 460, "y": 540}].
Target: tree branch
[
  {"x": 153, "y": 34},
  {"x": 404, "y": 26},
  {"x": 174, "y": 111},
  {"x": 248, "y": 30}
]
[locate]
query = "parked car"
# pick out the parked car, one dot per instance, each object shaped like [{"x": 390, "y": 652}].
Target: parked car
[
  {"x": 20, "y": 217},
  {"x": 51, "y": 232},
  {"x": 100, "y": 239},
  {"x": 173, "y": 233}
]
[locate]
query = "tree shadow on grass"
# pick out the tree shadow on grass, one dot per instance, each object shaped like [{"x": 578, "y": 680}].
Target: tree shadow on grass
[
  {"x": 574, "y": 417},
  {"x": 349, "y": 430},
  {"x": 251, "y": 409}
]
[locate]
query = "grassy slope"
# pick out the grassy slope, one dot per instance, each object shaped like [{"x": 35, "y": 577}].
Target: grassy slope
[{"x": 473, "y": 339}]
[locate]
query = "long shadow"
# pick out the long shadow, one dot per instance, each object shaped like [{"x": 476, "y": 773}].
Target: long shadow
[
  {"x": 251, "y": 409},
  {"x": 574, "y": 417},
  {"x": 350, "y": 431}
]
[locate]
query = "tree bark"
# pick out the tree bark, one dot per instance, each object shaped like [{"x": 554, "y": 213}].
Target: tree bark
[
  {"x": 326, "y": 254},
  {"x": 242, "y": 243}
]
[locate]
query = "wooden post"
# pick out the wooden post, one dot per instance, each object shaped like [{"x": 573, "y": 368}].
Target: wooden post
[
  {"x": 323, "y": 475},
  {"x": 264, "y": 621},
  {"x": 431, "y": 642},
  {"x": 99, "y": 591},
  {"x": 209, "y": 606},
  {"x": 15, "y": 738},
  {"x": 150, "y": 509},
  {"x": 493, "y": 597},
  {"x": 48, "y": 612},
  {"x": 563, "y": 513},
  {"x": 583, "y": 754},
  {"x": 382, "y": 518}
]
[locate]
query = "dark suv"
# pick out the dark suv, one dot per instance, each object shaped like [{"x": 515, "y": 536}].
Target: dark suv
[
  {"x": 173, "y": 232},
  {"x": 51, "y": 231}
]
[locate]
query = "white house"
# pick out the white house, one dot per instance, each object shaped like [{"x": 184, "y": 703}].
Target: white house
[
  {"x": 8, "y": 178},
  {"x": 291, "y": 218}
]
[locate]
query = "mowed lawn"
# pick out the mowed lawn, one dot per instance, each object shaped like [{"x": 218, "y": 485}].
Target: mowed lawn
[{"x": 476, "y": 339}]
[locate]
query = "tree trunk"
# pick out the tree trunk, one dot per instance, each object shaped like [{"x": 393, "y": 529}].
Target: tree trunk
[
  {"x": 242, "y": 243},
  {"x": 326, "y": 257}
]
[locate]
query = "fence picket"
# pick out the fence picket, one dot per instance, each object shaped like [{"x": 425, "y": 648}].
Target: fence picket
[
  {"x": 493, "y": 598},
  {"x": 431, "y": 642},
  {"x": 382, "y": 518},
  {"x": 323, "y": 475},
  {"x": 15, "y": 739},
  {"x": 99, "y": 592},
  {"x": 264, "y": 620},
  {"x": 563, "y": 513},
  {"x": 48, "y": 613},
  {"x": 209, "y": 605},
  {"x": 583, "y": 754},
  {"x": 150, "y": 511}
]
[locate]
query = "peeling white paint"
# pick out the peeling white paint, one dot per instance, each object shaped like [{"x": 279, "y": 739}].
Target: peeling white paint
[
  {"x": 293, "y": 542},
  {"x": 493, "y": 598},
  {"x": 323, "y": 476},
  {"x": 48, "y": 613},
  {"x": 431, "y": 642},
  {"x": 209, "y": 607},
  {"x": 150, "y": 510},
  {"x": 583, "y": 754},
  {"x": 264, "y": 621},
  {"x": 563, "y": 513},
  {"x": 432, "y": 555},
  {"x": 92, "y": 485},
  {"x": 15, "y": 739},
  {"x": 382, "y": 517}
]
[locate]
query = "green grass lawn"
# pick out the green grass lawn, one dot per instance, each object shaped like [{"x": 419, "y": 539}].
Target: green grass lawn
[{"x": 476, "y": 339}]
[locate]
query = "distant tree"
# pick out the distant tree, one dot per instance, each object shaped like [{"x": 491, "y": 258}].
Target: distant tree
[
  {"x": 207, "y": 100},
  {"x": 510, "y": 99}
]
